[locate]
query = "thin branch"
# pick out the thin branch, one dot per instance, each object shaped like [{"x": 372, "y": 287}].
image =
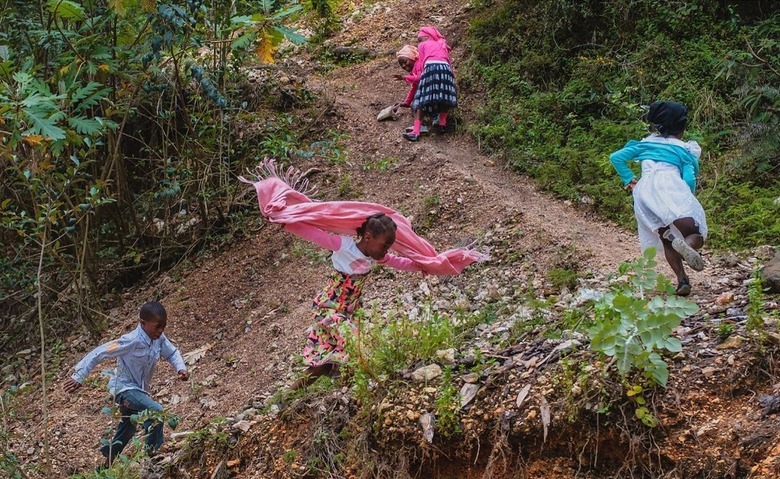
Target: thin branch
[{"x": 46, "y": 452}]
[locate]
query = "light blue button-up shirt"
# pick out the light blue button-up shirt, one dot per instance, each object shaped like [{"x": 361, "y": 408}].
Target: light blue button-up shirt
[{"x": 136, "y": 356}]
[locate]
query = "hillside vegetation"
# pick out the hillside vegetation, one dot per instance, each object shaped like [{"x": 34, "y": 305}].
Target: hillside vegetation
[{"x": 565, "y": 83}]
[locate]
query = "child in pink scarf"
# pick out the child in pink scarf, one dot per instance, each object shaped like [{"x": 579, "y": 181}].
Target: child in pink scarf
[
  {"x": 379, "y": 229},
  {"x": 432, "y": 81}
]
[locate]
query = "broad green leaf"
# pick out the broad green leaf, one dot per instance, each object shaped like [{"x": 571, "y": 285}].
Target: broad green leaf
[
  {"x": 292, "y": 35},
  {"x": 634, "y": 390},
  {"x": 682, "y": 305},
  {"x": 45, "y": 125},
  {"x": 67, "y": 10},
  {"x": 673, "y": 345},
  {"x": 84, "y": 126},
  {"x": 242, "y": 20},
  {"x": 243, "y": 41},
  {"x": 287, "y": 11},
  {"x": 89, "y": 96}
]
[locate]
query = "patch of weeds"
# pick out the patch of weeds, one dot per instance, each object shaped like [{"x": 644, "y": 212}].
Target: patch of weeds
[
  {"x": 346, "y": 189},
  {"x": 755, "y": 318},
  {"x": 213, "y": 437},
  {"x": 432, "y": 210},
  {"x": 725, "y": 330},
  {"x": 447, "y": 406},
  {"x": 382, "y": 349},
  {"x": 573, "y": 381},
  {"x": 290, "y": 456},
  {"x": 343, "y": 56},
  {"x": 381, "y": 165},
  {"x": 9, "y": 463},
  {"x": 562, "y": 278},
  {"x": 524, "y": 327},
  {"x": 575, "y": 319},
  {"x": 332, "y": 149},
  {"x": 323, "y": 453},
  {"x": 482, "y": 363},
  {"x": 466, "y": 321}
]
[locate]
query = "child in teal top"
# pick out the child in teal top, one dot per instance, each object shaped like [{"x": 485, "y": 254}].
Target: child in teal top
[
  {"x": 669, "y": 217},
  {"x": 680, "y": 156}
]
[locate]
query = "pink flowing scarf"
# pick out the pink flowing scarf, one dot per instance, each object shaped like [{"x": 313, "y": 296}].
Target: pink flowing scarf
[{"x": 280, "y": 203}]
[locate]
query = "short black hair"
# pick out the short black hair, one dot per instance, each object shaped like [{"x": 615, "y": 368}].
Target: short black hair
[
  {"x": 153, "y": 311},
  {"x": 378, "y": 224}
]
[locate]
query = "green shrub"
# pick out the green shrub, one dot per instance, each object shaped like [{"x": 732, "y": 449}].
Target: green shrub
[
  {"x": 634, "y": 321},
  {"x": 566, "y": 83}
]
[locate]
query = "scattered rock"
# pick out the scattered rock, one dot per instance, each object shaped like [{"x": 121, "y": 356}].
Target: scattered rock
[
  {"x": 427, "y": 422},
  {"x": 467, "y": 393},
  {"x": 242, "y": 426},
  {"x": 447, "y": 356},
  {"x": 770, "y": 275},
  {"x": 426, "y": 373},
  {"x": 732, "y": 342}
]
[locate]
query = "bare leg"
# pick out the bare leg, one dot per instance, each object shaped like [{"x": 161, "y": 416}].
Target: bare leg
[
  {"x": 690, "y": 231},
  {"x": 673, "y": 257}
]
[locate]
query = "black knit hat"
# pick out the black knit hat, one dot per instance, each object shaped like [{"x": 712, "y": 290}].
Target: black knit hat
[{"x": 668, "y": 117}]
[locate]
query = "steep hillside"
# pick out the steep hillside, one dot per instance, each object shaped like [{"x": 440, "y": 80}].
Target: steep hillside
[{"x": 541, "y": 403}]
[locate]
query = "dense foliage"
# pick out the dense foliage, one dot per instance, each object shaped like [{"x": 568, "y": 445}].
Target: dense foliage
[
  {"x": 565, "y": 84},
  {"x": 122, "y": 129}
]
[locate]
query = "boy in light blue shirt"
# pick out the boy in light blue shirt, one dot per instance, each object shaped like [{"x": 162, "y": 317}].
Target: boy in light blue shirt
[{"x": 137, "y": 353}]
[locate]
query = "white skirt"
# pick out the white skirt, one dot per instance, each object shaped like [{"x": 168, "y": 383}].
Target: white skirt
[{"x": 660, "y": 197}]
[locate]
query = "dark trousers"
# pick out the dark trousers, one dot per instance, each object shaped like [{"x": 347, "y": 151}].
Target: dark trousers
[{"x": 132, "y": 402}]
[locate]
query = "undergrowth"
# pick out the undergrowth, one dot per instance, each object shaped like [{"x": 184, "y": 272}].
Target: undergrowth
[{"x": 566, "y": 83}]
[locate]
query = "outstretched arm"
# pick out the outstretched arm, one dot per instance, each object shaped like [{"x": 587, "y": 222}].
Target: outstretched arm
[
  {"x": 399, "y": 262},
  {"x": 315, "y": 235},
  {"x": 171, "y": 353},
  {"x": 110, "y": 349}
]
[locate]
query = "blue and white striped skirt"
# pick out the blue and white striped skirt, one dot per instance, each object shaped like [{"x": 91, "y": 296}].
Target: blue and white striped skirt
[{"x": 436, "y": 90}]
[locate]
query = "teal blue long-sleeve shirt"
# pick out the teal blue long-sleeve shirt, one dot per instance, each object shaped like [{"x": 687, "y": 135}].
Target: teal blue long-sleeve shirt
[{"x": 658, "y": 149}]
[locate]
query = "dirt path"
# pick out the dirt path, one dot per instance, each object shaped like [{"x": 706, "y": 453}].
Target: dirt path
[{"x": 249, "y": 304}]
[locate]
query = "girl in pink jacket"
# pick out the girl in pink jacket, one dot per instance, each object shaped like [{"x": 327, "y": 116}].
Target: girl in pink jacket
[{"x": 432, "y": 81}]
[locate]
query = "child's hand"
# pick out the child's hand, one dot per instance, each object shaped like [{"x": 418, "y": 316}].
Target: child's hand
[
  {"x": 71, "y": 385},
  {"x": 630, "y": 186},
  {"x": 184, "y": 375}
]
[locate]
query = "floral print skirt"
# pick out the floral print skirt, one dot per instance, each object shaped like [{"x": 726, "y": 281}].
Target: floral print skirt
[{"x": 333, "y": 308}]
